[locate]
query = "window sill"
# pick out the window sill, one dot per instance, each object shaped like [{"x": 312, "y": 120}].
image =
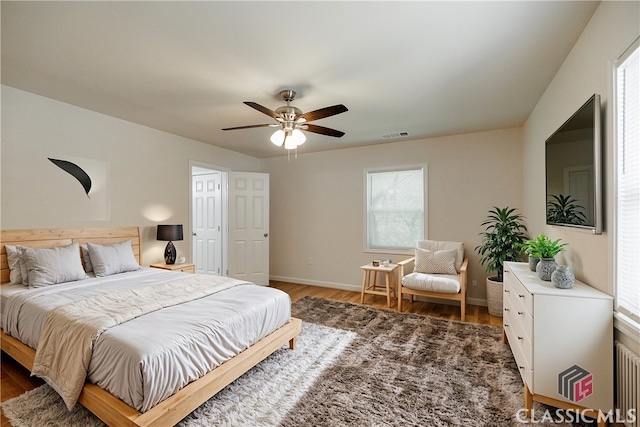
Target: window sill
[
  {"x": 627, "y": 326},
  {"x": 408, "y": 253}
]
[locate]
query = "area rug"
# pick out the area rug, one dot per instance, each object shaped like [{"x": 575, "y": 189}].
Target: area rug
[
  {"x": 354, "y": 366},
  {"x": 412, "y": 370},
  {"x": 261, "y": 397}
]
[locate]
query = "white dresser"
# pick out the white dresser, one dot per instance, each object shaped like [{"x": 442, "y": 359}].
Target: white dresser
[{"x": 562, "y": 340}]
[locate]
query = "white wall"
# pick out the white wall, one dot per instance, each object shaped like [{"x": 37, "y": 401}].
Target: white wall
[
  {"x": 317, "y": 202},
  {"x": 587, "y": 70},
  {"x": 149, "y": 169}
]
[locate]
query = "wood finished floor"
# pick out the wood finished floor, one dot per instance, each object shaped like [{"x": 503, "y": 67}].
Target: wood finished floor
[{"x": 15, "y": 380}]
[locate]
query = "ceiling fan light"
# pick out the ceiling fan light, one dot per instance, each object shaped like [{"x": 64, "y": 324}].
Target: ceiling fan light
[
  {"x": 297, "y": 136},
  {"x": 289, "y": 144},
  {"x": 277, "y": 138}
]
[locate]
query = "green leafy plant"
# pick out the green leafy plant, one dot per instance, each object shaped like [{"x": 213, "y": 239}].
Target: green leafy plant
[
  {"x": 502, "y": 239},
  {"x": 543, "y": 247},
  {"x": 565, "y": 210}
]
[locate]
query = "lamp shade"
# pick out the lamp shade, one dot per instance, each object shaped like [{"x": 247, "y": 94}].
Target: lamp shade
[{"x": 169, "y": 233}]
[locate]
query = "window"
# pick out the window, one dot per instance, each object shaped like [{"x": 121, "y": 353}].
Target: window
[
  {"x": 627, "y": 185},
  {"x": 395, "y": 207}
]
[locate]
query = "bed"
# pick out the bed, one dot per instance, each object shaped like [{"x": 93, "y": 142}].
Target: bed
[{"x": 218, "y": 336}]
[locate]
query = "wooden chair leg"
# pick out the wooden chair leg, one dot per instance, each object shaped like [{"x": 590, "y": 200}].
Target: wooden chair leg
[
  {"x": 364, "y": 286},
  {"x": 388, "y": 289}
]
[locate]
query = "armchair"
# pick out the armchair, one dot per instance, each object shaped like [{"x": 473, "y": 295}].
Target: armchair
[{"x": 438, "y": 270}]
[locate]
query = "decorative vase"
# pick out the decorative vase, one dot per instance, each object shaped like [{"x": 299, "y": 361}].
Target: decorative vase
[
  {"x": 562, "y": 277},
  {"x": 545, "y": 268},
  {"x": 533, "y": 262}
]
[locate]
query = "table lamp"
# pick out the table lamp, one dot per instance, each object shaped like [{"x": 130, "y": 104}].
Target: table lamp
[{"x": 169, "y": 233}]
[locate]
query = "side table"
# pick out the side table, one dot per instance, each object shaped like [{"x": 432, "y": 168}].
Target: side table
[
  {"x": 370, "y": 286},
  {"x": 185, "y": 268}
]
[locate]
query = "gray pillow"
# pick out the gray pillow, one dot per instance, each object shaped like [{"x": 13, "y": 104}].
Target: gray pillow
[
  {"x": 112, "y": 259},
  {"x": 53, "y": 265},
  {"x": 86, "y": 259},
  {"x": 16, "y": 265}
]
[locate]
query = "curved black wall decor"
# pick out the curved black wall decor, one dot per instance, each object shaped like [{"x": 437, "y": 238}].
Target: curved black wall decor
[{"x": 76, "y": 171}]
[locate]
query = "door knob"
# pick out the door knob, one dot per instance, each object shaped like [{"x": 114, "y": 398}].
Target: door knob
[
  {"x": 266, "y": 234},
  {"x": 194, "y": 234}
]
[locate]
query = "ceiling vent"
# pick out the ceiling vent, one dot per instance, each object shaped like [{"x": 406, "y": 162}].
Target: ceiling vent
[{"x": 396, "y": 135}]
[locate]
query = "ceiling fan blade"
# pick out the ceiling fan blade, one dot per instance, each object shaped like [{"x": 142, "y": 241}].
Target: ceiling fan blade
[
  {"x": 324, "y": 112},
  {"x": 249, "y": 126},
  {"x": 262, "y": 109},
  {"x": 323, "y": 130}
]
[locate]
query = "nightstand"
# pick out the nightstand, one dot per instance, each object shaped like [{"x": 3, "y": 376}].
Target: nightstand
[{"x": 185, "y": 268}]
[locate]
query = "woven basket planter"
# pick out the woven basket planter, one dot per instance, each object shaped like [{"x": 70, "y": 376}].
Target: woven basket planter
[{"x": 494, "y": 296}]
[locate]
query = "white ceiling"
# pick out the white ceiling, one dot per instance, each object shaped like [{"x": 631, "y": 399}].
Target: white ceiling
[{"x": 427, "y": 68}]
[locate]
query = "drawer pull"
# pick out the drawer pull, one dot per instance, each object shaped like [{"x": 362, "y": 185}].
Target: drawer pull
[
  {"x": 521, "y": 312},
  {"x": 520, "y": 367},
  {"x": 521, "y": 296},
  {"x": 520, "y": 338},
  {"x": 506, "y": 325},
  {"x": 506, "y": 309},
  {"x": 507, "y": 290}
]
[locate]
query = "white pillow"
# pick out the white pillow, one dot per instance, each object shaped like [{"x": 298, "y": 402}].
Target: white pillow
[
  {"x": 53, "y": 265},
  {"x": 435, "y": 262},
  {"x": 112, "y": 259},
  {"x": 16, "y": 265},
  {"x": 441, "y": 245}
]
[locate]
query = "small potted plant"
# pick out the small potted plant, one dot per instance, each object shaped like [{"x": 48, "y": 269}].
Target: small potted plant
[
  {"x": 502, "y": 241},
  {"x": 532, "y": 248},
  {"x": 545, "y": 250}
]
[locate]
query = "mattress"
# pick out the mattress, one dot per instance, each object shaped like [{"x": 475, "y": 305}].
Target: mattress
[{"x": 149, "y": 358}]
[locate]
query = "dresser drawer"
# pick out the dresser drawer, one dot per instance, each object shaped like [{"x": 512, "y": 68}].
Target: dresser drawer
[
  {"x": 520, "y": 324},
  {"x": 514, "y": 288},
  {"x": 519, "y": 314},
  {"x": 518, "y": 348}
]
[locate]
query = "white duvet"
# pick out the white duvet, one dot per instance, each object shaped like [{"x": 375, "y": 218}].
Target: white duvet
[{"x": 147, "y": 359}]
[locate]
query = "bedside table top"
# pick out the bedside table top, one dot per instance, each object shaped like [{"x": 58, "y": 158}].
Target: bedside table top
[{"x": 171, "y": 266}]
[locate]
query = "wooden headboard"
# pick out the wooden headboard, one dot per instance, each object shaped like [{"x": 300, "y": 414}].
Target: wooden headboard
[{"x": 51, "y": 237}]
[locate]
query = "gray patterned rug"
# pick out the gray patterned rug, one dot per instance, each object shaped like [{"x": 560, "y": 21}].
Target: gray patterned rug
[{"x": 354, "y": 365}]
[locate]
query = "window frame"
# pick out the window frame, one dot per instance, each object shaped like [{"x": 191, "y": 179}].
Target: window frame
[
  {"x": 624, "y": 320},
  {"x": 425, "y": 205}
]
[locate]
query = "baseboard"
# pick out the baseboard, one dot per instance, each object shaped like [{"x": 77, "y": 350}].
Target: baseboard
[{"x": 358, "y": 288}]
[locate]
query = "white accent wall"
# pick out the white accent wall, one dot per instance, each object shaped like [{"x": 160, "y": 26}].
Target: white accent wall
[
  {"x": 587, "y": 70},
  {"x": 148, "y": 170},
  {"x": 318, "y": 213}
]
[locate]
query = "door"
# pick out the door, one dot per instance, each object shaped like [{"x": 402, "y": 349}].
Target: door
[
  {"x": 578, "y": 182},
  {"x": 249, "y": 227},
  {"x": 207, "y": 222}
]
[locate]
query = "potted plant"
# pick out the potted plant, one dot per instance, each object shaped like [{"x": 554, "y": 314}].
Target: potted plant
[
  {"x": 545, "y": 250},
  {"x": 502, "y": 241},
  {"x": 534, "y": 248}
]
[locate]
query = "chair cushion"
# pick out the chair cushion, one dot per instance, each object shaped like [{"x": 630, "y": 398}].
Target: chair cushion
[
  {"x": 437, "y": 245},
  {"x": 435, "y": 262},
  {"x": 445, "y": 283}
]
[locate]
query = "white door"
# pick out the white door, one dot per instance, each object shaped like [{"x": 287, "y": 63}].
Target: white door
[
  {"x": 578, "y": 182},
  {"x": 207, "y": 223},
  {"x": 249, "y": 227}
]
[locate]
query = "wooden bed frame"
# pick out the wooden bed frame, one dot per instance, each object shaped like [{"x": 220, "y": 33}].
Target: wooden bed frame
[{"x": 107, "y": 407}]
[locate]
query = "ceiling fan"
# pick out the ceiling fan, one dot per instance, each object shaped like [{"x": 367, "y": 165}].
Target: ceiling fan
[{"x": 292, "y": 121}]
